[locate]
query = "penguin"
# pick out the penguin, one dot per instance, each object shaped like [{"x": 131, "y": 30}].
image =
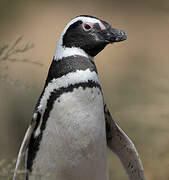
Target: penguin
[{"x": 71, "y": 126}]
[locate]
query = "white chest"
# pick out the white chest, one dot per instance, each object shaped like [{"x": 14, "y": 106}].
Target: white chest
[{"x": 73, "y": 146}]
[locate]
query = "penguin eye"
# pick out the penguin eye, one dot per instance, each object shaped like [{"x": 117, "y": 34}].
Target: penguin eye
[{"x": 87, "y": 26}]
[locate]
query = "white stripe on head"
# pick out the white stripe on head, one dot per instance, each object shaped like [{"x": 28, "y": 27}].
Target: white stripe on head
[
  {"x": 61, "y": 51},
  {"x": 72, "y": 78}
]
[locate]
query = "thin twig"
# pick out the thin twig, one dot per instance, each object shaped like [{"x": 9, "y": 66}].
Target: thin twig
[{"x": 8, "y": 52}]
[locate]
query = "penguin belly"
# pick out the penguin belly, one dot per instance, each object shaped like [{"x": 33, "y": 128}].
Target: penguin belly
[{"x": 73, "y": 145}]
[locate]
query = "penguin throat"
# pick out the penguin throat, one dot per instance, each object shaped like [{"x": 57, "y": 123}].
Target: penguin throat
[{"x": 63, "y": 52}]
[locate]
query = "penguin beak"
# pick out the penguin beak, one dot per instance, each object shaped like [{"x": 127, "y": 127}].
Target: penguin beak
[
  {"x": 114, "y": 35},
  {"x": 117, "y": 35}
]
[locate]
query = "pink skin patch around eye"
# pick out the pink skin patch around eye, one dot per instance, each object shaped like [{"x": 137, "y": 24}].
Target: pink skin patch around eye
[
  {"x": 87, "y": 24},
  {"x": 102, "y": 27}
]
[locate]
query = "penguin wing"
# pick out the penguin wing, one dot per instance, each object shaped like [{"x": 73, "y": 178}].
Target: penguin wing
[
  {"x": 123, "y": 147},
  {"x": 25, "y": 142}
]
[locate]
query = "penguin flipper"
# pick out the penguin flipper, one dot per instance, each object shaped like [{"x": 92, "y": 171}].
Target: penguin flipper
[
  {"x": 25, "y": 143},
  {"x": 123, "y": 147}
]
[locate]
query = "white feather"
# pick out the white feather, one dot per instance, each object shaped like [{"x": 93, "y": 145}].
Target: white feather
[
  {"x": 74, "y": 143},
  {"x": 62, "y": 52},
  {"x": 23, "y": 148},
  {"x": 80, "y": 76}
]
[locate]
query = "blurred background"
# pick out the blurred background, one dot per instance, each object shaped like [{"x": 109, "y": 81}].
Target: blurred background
[{"x": 134, "y": 74}]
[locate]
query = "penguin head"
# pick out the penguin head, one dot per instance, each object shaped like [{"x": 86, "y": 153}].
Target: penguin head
[{"x": 89, "y": 34}]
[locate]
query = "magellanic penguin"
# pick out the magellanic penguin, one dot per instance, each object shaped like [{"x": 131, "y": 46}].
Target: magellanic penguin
[{"x": 71, "y": 125}]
